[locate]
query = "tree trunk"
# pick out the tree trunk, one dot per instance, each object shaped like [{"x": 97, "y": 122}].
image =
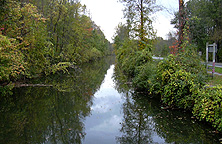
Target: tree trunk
[
  {"x": 181, "y": 23},
  {"x": 141, "y": 21}
]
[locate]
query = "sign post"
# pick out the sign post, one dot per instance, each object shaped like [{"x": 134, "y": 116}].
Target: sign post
[
  {"x": 214, "y": 51},
  {"x": 211, "y": 48},
  {"x": 207, "y": 55}
]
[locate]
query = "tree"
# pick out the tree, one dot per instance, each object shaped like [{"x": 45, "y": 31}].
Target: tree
[
  {"x": 161, "y": 46},
  {"x": 137, "y": 13},
  {"x": 205, "y": 20},
  {"x": 122, "y": 33},
  {"x": 181, "y": 22},
  {"x": 26, "y": 27},
  {"x": 43, "y": 36}
]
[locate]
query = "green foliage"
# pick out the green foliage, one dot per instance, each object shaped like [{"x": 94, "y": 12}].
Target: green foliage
[
  {"x": 178, "y": 79},
  {"x": 26, "y": 27},
  {"x": 122, "y": 33},
  {"x": 136, "y": 64},
  {"x": 11, "y": 60},
  {"x": 216, "y": 80},
  {"x": 180, "y": 90},
  {"x": 161, "y": 46},
  {"x": 73, "y": 34},
  {"x": 94, "y": 53},
  {"x": 124, "y": 56},
  {"x": 145, "y": 76},
  {"x": 34, "y": 37},
  {"x": 133, "y": 42},
  {"x": 204, "y": 18},
  {"x": 42, "y": 37},
  {"x": 6, "y": 90},
  {"x": 138, "y": 14},
  {"x": 130, "y": 58},
  {"x": 208, "y": 106},
  {"x": 218, "y": 70},
  {"x": 61, "y": 66}
]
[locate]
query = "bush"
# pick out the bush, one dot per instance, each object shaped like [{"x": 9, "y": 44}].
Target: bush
[
  {"x": 208, "y": 106},
  {"x": 125, "y": 56},
  {"x": 136, "y": 64},
  {"x": 180, "y": 90},
  {"x": 130, "y": 58},
  {"x": 178, "y": 79},
  {"x": 145, "y": 76}
]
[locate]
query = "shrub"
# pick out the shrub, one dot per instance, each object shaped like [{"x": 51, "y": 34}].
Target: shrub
[
  {"x": 125, "y": 57},
  {"x": 145, "y": 76},
  {"x": 180, "y": 90},
  {"x": 92, "y": 54},
  {"x": 130, "y": 58},
  {"x": 178, "y": 79},
  {"x": 208, "y": 106}
]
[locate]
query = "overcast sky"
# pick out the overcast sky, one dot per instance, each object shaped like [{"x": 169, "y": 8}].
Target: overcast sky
[{"x": 108, "y": 14}]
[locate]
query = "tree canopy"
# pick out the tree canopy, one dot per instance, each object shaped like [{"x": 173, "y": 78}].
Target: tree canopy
[
  {"x": 139, "y": 23},
  {"x": 44, "y": 36},
  {"x": 204, "y": 21}
]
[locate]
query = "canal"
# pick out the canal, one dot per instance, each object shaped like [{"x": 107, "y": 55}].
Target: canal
[{"x": 93, "y": 105}]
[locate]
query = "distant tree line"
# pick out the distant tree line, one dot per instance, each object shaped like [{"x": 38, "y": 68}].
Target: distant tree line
[{"x": 161, "y": 46}]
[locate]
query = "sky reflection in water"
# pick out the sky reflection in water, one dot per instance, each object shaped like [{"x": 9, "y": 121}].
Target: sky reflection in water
[
  {"x": 104, "y": 123},
  {"x": 118, "y": 118}
]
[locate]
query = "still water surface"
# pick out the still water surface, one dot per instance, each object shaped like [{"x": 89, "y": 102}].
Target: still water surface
[{"x": 92, "y": 105}]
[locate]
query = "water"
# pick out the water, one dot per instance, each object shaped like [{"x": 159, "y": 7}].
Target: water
[
  {"x": 90, "y": 106},
  {"x": 102, "y": 126}
]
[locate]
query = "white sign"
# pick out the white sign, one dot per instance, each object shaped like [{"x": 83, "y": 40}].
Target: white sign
[{"x": 210, "y": 48}]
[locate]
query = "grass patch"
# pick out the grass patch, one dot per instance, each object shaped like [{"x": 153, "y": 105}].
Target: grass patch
[
  {"x": 216, "y": 80},
  {"x": 218, "y": 70}
]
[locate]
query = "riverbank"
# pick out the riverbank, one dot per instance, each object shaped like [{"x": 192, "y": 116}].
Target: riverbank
[
  {"x": 180, "y": 80},
  {"x": 44, "y": 46},
  {"x": 97, "y": 106}
]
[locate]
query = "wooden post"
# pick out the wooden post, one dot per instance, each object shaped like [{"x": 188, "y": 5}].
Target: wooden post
[
  {"x": 214, "y": 51},
  {"x": 207, "y": 56},
  {"x": 211, "y": 48}
]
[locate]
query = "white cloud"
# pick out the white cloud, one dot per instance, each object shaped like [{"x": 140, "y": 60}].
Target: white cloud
[
  {"x": 111, "y": 124},
  {"x": 108, "y": 14}
]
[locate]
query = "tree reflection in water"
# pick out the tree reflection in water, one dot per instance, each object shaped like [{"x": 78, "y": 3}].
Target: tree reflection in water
[
  {"x": 51, "y": 114},
  {"x": 136, "y": 126}
]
